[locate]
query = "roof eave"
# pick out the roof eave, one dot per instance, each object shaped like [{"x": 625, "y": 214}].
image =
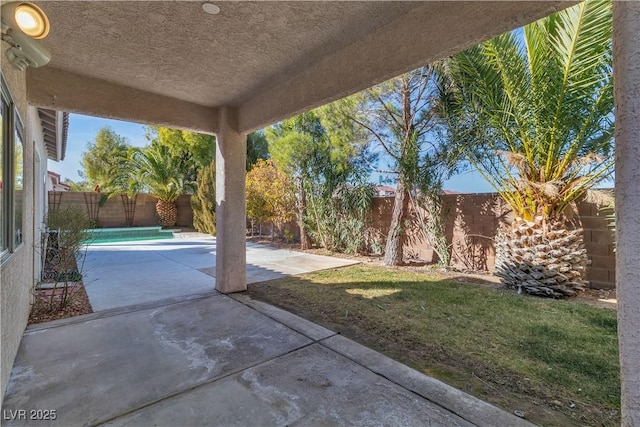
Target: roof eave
[{"x": 55, "y": 128}]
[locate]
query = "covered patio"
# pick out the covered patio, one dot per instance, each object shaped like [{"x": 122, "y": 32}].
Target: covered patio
[
  {"x": 213, "y": 359},
  {"x": 254, "y": 63}
]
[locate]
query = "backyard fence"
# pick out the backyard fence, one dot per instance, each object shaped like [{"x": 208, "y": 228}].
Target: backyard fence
[
  {"x": 118, "y": 211},
  {"x": 471, "y": 224}
]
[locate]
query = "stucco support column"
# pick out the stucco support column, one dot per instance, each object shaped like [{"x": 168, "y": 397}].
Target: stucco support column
[
  {"x": 626, "y": 68},
  {"x": 231, "y": 151}
]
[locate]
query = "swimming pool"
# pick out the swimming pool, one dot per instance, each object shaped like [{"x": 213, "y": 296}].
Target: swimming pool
[{"x": 110, "y": 235}]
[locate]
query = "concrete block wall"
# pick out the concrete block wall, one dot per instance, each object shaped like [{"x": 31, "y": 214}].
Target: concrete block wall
[
  {"x": 599, "y": 241},
  {"x": 381, "y": 209},
  {"x": 471, "y": 223},
  {"x": 185, "y": 212},
  {"x": 112, "y": 213}
]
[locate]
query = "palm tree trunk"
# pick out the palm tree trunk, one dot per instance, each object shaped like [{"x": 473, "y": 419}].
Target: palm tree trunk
[
  {"x": 393, "y": 253},
  {"x": 167, "y": 213},
  {"x": 542, "y": 258}
]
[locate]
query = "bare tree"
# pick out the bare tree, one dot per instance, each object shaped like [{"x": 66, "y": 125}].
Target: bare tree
[{"x": 401, "y": 118}]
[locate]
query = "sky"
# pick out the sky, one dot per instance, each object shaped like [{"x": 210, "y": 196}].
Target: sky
[{"x": 83, "y": 129}]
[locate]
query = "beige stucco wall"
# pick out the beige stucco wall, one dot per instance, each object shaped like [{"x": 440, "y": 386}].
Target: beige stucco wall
[
  {"x": 39, "y": 195},
  {"x": 17, "y": 273},
  {"x": 626, "y": 68}
]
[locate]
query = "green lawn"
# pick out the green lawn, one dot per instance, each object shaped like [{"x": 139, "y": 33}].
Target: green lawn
[{"x": 555, "y": 360}]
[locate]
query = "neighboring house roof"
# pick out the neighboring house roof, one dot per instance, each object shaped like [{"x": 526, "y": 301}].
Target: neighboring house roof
[
  {"x": 55, "y": 128},
  {"x": 55, "y": 183},
  {"x": 385, "y": 188},
  {"x": 61, "y": 187},
  {"x": 386, "y": 191}
]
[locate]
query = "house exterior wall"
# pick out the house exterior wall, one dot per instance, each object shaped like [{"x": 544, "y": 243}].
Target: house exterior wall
[
  {"x": 39, "y": 203},
  {"x": 18, "y": 270}
]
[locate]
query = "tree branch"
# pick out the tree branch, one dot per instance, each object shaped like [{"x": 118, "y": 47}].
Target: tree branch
[{"x": 376, "y": 135}]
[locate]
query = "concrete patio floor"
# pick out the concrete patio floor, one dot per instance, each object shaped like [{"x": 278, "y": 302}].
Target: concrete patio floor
[
  {"x": 220, "y": 360},
  {"x": 207, "y": 359},
  {"x": 127, "y": 273}
]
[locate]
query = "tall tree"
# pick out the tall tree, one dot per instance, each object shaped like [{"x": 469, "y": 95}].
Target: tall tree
[
  {"x": 104, "y": 160},
  {"x": 538, "y": 108},
  {"x": 323, "y": 152},
  {"x": 342, "y": 197},
  {"x": 161, "y": 174},
  {"x": 179, "y": 162},
  {"x": 295, "y": 145},
  {"x": 270, "y": 195},
  {"x": 400, "y": 117},
  {"x": 257, "y": 148},
  {"x": 190, "y": 150},
  {"x": 197, "y": 150}
]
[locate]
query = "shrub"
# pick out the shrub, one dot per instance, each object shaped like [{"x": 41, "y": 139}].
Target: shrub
[
  {"x": 203, "y": 201},
  {"x": 270, "y": 195},
  {"x": 66, "y": 238}
]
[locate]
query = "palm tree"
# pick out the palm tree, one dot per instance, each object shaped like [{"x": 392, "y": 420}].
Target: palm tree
[
  {"x": 160, "y": 174},
  {"x": 539, "y": 107}
]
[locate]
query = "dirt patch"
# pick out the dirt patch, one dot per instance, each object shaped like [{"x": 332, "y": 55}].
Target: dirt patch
[
  {"x": 47, "y": 302},
  {"x": 602, "y": 298}
]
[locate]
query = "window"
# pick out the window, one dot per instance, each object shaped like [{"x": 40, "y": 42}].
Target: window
[
  {"x": 3, "y": 214},
  {"x": 18, "y": 189},
  {"x": 11, "y": 174}
]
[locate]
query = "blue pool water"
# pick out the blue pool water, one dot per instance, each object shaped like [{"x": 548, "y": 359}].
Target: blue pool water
[{"x": 110, "y": 235}]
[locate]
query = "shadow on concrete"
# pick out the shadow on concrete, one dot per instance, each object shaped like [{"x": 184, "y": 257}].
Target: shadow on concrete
[
  {"x": 121, "y": 274},
  {"x": 216, "y": 360}
]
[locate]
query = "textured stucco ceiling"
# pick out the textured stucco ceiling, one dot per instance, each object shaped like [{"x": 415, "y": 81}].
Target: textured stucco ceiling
[
  {"x": 269, "y": 59},
  {"x": 177, "y": 50}
]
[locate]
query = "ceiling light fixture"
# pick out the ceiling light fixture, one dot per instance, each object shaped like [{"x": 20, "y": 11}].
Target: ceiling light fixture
[
  {"x": 31, "y": 20},
  {"x": 23, "y": 24},
  {"x": 211, "y": 8}
]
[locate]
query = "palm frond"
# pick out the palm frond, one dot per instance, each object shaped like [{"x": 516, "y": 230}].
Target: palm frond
[
  {"x": 158, "y": 172},
  {"x": 543, "y": 100}
]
